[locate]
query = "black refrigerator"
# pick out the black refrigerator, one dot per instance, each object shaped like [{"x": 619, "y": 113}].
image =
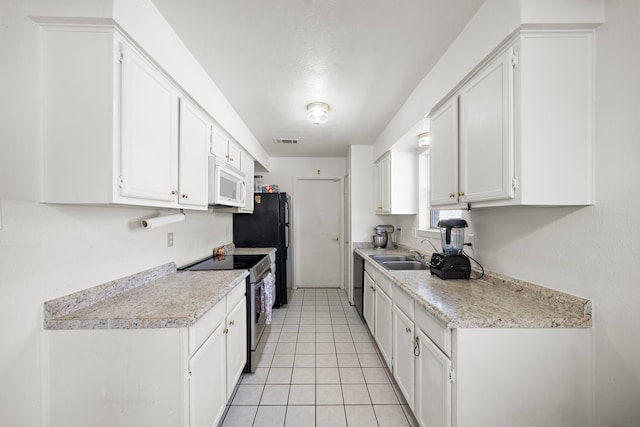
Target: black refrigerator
[{"x": 267, "y": 227}]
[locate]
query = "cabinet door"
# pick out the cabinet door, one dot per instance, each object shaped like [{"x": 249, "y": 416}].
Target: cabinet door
[
  {"x": 383, "y": 184},
  {"x": 403, "y": 356},
  {"x": 383, "y": 326},
  {"x": 219, "y": 143},
  {"x": 234, "y": 155},
  {"x": 248, "y": 169},
  {"x": 486, "y": 133},
  {"x": 368, "y": 304},
  {"x": 149, "y": 134},
  {"x": 433, "y": 386},
  {"x": 443, "y": 156},
  {"x": 194, "y": 141},
  {"x": 207, "y": 382},
  {"x": 236, "y": 344}
]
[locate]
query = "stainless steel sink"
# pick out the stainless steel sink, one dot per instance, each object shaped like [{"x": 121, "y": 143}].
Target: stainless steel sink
[
  {"x": 386, "y": 258},
  {"x": 404, "y": 265}
]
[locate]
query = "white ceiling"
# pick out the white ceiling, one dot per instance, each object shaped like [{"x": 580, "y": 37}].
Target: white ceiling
[{"x": 272, "y": 58}]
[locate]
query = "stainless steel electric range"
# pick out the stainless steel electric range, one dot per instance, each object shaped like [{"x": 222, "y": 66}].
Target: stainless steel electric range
[{"x": 259, "y": 266}]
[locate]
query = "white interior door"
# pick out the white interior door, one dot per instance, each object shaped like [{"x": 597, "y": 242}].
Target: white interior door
[{"x": 318, "y": 210}]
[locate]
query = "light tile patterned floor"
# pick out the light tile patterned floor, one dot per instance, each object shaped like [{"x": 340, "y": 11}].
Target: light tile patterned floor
[{"x": 320, "y": 367}]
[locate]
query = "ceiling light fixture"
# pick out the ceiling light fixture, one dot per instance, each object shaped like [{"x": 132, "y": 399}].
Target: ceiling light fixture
[
  {"x": 424, "y": 139},
  {"x": 318, "y": 112}
]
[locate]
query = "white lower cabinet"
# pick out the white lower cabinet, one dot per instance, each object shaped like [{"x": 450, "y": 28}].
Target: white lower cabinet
[
  {"x": 479, "y": 377},
  {"x": 368, "y": 308},
  {"x": 163, "y": 377},
  {"x": 207, "y": 383},
  {"x": 432, "y": 405},
  {"x": 236, "y": 344},
  {"x": 403, "y": 354},
  {"x": 382, "y": 324}
]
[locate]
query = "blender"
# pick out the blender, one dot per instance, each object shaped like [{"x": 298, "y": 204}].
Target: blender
[{"x": 452, "y": 262}]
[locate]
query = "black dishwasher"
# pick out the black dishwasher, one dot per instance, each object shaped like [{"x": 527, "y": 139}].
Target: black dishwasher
[{"x": 358, "y": 282}]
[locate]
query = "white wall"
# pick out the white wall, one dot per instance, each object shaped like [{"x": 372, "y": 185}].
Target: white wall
[
  {"x": 591, "y": 251},
  {"x": 47, "y": 251},
  {"x": 284, "y": 170}
]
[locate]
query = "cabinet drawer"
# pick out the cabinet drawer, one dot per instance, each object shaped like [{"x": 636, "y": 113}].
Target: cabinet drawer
[
  {"x": 403, "y": 301},
  {"x": 368, "y": 267},
  {"x": 201, "y": 330},
  {"x": 235, "y": 296},
  {"x": 436, "y": 331},
  {"x": 384, "y": 283}
]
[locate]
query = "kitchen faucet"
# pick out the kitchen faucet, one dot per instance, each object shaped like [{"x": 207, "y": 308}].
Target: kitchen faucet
[{"x": 417, "y": 255}]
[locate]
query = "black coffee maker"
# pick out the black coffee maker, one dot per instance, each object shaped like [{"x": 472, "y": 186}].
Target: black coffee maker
[{"x": 451, "y": 263}]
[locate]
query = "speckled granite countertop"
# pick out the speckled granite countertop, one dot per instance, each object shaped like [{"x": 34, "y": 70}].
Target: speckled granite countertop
[
  {"x": 157, "y": 298},
  {"x": 495, "y": 301}
]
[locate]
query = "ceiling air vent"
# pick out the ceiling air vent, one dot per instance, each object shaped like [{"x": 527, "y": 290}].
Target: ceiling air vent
[{"x": 286, "y": 140}]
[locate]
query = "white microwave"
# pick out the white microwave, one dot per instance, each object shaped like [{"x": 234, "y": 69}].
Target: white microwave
[{"x": 226, "y": 184}]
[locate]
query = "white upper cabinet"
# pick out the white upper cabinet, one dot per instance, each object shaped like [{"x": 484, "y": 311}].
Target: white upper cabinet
[
  {"x": 383, "y": 184},
  {"x": 524, "y": 135},
  {"x": 248, "y": 166},
  {"x": 443, "y": 154},
  {"x": 224, "y": 148},
  {"x": 396, "y": 182},
  {"x": 195, "y": 131},
  {"x": 486, "y": 133},
  {"x": 117, "y": 130},
  {"x": 149, "y": 130},
  {"x": 554, "y": 118}
]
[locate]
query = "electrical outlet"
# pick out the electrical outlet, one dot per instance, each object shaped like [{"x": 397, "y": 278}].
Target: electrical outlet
[
  {"x": 469, "y": 238},
  {"x": 169, "y": 239}
]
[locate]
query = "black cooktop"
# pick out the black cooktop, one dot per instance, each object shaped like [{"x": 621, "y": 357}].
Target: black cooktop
[{"x": 226, "y": 262}]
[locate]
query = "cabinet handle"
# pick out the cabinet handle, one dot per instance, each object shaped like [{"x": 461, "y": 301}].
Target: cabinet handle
[
  {"x": 416, "y": 347},
  {"x": 461, "y": 193},
  {"x": 452, "y": 195},
  {"x": 185, "y": 196},
  {"x": 226, "y": 331},
  {"x": 232, "y": 323},
  {"x": 408, "y": 330},
  {"x": 174, "y": 192}
]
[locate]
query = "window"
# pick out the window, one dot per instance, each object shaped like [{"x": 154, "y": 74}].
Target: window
[{"x": 437, "y": 215}]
